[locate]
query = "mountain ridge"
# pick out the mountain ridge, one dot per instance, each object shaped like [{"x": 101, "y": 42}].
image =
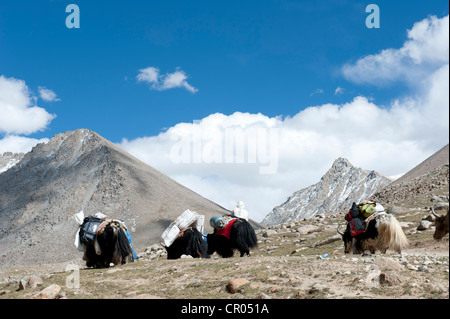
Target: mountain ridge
[
  {"x": 8, "y": 160},
  {"x": 434, "y": 161},
  {"x": 80, "y": 170},
  {"x": 341, "y": 185}
]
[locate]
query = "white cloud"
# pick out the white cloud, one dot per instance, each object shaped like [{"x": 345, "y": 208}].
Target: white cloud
[
  {"x": 18, "y": 114},
  {"x": 426, "y": 49},
  {"x": 338, "y": 90},
  {"x": 177, "y": 79},
  {"x": 389, "y": 139},
  {"x": 19, "y": 144},
  {"x": 149, "y": 75},
  {"x": 316, "y": 91},
  {"x": 48, "y": 95}
]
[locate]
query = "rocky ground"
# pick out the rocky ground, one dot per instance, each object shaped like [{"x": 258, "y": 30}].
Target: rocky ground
[{"x": 303, "y": 259}]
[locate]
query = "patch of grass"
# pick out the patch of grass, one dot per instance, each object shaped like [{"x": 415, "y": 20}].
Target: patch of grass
[{"x": 431, "y": 292}]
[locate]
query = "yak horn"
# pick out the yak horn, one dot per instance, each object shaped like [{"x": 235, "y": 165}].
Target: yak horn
[
  {"x": 339, "y": 232},
  {"x": 432, "y": 211}
]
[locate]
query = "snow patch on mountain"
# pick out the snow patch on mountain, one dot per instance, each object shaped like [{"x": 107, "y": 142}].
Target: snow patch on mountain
[
  {"x": 8, "y": 160},
  {"x": 342, "y": 185}
]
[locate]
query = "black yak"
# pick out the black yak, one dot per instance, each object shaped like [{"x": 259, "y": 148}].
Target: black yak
[
  {"x": 110, "y": 245},
  {"x": 442, "y": 225},
  {"x": 382, "y": 232},
  {"x": 238, "y": 234},
  {"x": 191, "y": 243}
]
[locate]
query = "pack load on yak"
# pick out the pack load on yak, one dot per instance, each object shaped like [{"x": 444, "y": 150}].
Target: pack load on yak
[
  {"x": 239, "y": 211},
  {"x": 230, "y": 233},
  {"x": 185, "y": 236},
  {"x": 103, "y": 240},
  {"x": 369, "y": 229},
  {"x": 186, "y": 220},
  {"x": 222, "y": 224},
  {"x": 88, "y": 230},
  {"x": 361, "y": 214}
]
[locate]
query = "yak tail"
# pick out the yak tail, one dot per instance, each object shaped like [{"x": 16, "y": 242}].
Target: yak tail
[
  {"x": 123, "y": 247},
  {"x": 393, "y": 235},
  {"x": 246, "y": 235},
  {"x": 196, "y": 245}
]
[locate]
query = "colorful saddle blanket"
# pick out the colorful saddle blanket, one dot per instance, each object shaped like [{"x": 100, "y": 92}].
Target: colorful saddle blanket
[{"x": 227, "y": 229}]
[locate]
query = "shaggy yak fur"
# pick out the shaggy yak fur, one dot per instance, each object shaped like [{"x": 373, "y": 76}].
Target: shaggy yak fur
[
  {"x": 383, "y": 232},
  {"x": 242, "y": 238},
  {"x": 190, "y": 243},
  {"x": 110, "y": 246}
]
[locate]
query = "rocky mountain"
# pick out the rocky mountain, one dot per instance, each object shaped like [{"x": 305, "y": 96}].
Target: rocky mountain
[
  {"x": 428, "y": 178},
  {"x": 80, "y": 170},
  {"x": 342, "y": 185},
  {"x": 441, "y": 157},
  {"x": 8, "y": 160}
]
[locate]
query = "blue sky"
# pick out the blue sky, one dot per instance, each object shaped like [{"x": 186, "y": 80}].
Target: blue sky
[
  {"x": 310, "y": 69},
  {"x": 249, "y": 56}
]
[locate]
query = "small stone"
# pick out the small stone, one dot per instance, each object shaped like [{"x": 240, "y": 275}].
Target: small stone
[
  {"x": 263, "y": 296},
  {"x": 23, "y": 284},
  {"x": 235, "y": 284},
  {"x": 386, "y": 263},
  {"x": 395, "y": 210},
  {"x": 35, "y": 281},
  {"x": 307, "y": 229},
  {"x": 424, "y": 225},
  {"x": 275, "y": 289},
  {"x": 390, "y": 278},
  {"x": 316, "y": 288},
  {"x": 48, "y": 293},
  {"x": 61, "y": 295},
  {"x": 423, "y": 268},
  {"x": 411, "y": 267},
  {"x": 155, "y": 247},
  {"x": 269, "y": 232}
]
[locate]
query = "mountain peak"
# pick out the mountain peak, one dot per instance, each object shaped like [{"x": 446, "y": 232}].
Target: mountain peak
[
  {"x": 341, "y": 185},
  {"x": 340, "y": 161},
  {"x": 80, "y": 170}
]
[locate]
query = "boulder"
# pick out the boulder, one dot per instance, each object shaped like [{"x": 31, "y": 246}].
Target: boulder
[
  {"x": 235, "y": 284},
  {"x": 328, "y": 240},
  {"x": 396, "y": 210},
  {"x": 386, "y": 263},
  {"x": 307, "y": 229},
  {"x": 424, "y": 225},
  {"x": 51, "y": 292},
  {"x": 35, "y": 281},
  {"x": 268, "y": 232}
]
